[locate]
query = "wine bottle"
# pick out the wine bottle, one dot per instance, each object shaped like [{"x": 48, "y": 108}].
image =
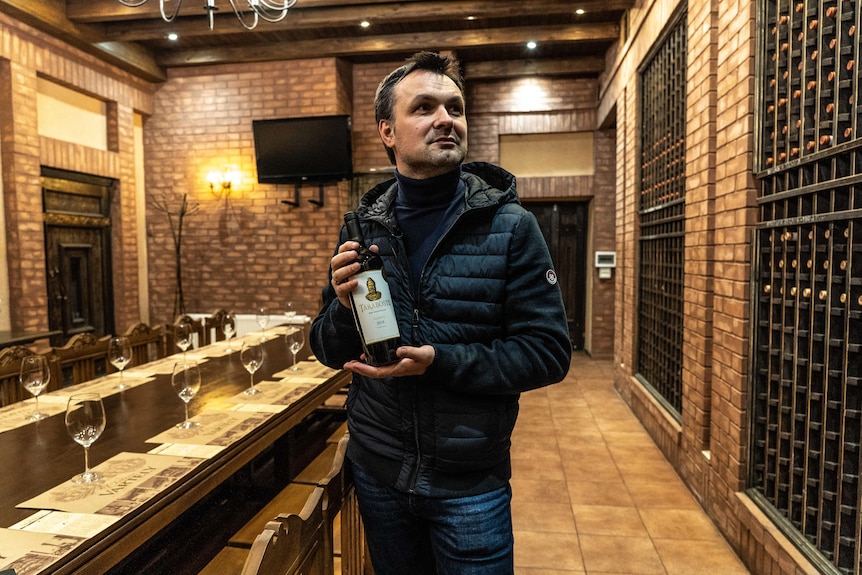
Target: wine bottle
[{"x": 371, "y": 302}]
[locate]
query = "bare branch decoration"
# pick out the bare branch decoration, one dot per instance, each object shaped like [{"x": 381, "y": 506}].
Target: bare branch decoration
[{"x": 175, "y": 221}]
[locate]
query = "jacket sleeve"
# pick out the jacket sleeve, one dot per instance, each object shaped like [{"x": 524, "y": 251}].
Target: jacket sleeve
[
  {"x": 333, "y": 337},
  {"x": 535, "y": 349}
]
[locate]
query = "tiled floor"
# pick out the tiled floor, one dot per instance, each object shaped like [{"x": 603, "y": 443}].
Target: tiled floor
[{"x": 592, "y": 494}]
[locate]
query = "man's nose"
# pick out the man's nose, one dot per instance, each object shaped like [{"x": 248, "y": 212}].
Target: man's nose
[{"x": 442, "y": 117}]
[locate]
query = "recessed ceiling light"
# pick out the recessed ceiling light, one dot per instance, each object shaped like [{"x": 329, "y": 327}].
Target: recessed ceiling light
[
  {"x": 173, "y": 36},
  {"x": 531, "y": 45},
  {"x": 365, "y": 24},
  {"x": 580, "y": 11},
  {"x": 470, "y": 18}
]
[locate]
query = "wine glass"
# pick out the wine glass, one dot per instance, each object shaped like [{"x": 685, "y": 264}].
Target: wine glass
[
  {"x": 186, "y": 380},
  {"x": 295, "y": 341},
  {"x": 228, "y": 326},
  {"x": 183, "y": 336},
  {"x": 34, "y": 377},
  {"x": 251, "y": 356},
  {"x": 120, "y": 354},
  {"x": 262, "y": 317},
  {"x": 85, "y": 422}
]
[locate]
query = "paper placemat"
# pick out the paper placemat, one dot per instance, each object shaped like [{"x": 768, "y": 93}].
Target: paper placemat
[
  {"x": 215, "y": 427},
  {"x": 186, "y": 450},
  {"x": 30, "y": 552},
  {"x": 307, "y": 369},
  {"x": 128, "y": 479},
  {"x": 282, "y": 393},
  {"x": 15, "y": 415},
  {"x": 84, "y": 525}
]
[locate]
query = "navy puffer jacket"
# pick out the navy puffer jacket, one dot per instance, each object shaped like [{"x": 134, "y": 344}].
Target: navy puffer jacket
[{"x": 489, "y": 304}]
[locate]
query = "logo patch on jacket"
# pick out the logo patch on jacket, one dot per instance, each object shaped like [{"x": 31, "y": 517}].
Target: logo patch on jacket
[{"x": 551, "y": 276}]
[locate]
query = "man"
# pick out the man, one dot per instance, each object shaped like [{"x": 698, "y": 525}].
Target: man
[{"x": 481, "y": 320}]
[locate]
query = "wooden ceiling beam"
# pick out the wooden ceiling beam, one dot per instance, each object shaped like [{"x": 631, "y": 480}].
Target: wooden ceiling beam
[
  {"x": 49, "y": 18},
  {"x": 113, "y": 10},
  {"x": 107, "y": 10},
  {"x": 345, "y": 16},
  {"x": 392, "y": 43},
  {"x": 589, "y": 65}
]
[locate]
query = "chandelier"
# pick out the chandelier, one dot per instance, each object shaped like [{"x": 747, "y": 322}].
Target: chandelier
[{"x": 269, "y": 10}]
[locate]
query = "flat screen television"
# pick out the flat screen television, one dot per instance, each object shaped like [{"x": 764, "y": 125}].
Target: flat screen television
[{"x": 295, "y": 150}]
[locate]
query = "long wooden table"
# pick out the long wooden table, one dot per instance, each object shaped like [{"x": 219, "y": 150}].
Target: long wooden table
[{"x": 41, "y": 455}]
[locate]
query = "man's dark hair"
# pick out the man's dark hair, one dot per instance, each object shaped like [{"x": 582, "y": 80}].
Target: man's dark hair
[{"x": 384, "y": 99}]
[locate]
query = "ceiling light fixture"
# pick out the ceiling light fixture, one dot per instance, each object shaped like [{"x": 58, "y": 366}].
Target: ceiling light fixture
[
  {"x": 531, "y": 45},
  {"x": 269, "y": 10}
]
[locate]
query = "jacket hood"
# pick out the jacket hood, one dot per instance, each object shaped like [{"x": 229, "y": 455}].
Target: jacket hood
[{"x": 487, "y": 185}]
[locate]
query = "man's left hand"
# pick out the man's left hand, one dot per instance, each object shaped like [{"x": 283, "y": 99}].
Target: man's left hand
[{"x": 414, "y": 361}]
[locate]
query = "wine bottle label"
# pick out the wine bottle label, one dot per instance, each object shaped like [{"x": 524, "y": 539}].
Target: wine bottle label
[{"x": 374, "y": 307}]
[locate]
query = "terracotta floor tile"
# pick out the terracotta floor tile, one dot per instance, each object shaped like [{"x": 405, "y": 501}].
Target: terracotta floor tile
[
  {"x": 662, "y": 495},
  {"x": 695, "y": 557},
  {"x": 532, "y": 571},
  {"x": 598, "y": 493},
  {"x": 691, "y": 524},
  {"x": 544, "y": 550},
  {"x": 591, "y": 469},
  {"x": 608, "y": 520},
  {"x": 543, "y": 516},
  {"x": 635, "y": 555},
  {"x": 536, "y": 467},
  {"x": 527, "y": 489}
]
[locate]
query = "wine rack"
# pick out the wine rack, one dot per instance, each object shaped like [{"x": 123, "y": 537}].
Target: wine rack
[
  {"x": 662, "y": 217},
  {"x": 807, "y": 278},
  {"x": 810, "y": 79}
]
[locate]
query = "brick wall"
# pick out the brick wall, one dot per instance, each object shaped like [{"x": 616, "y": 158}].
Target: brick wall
[
  {"x": 25, "y": 54},
  {"x": 247, "y": 249},
  {"x": 699, "y": 243}
]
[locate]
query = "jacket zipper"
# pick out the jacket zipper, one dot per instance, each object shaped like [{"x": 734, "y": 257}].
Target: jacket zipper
[{"x": 414, "y": 476}]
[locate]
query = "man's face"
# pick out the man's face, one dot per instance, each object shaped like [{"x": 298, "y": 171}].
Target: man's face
[{"x": 428, "y": 131}]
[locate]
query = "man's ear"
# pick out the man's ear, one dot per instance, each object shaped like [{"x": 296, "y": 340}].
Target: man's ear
[{"x": 387, "y": 132}]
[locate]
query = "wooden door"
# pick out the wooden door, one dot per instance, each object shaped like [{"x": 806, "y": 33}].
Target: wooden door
[
  {"x": 78, "y": 252},
  {"x": 564, "y": 225}
]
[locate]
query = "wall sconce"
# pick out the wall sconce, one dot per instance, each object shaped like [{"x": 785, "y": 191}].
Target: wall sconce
[{"x": 222, "y": 182}]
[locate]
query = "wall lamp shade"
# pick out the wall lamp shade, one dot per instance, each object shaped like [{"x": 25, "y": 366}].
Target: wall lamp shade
[
  {"x": 248, "y": 12},
  {"x": 222, "y": 182}
]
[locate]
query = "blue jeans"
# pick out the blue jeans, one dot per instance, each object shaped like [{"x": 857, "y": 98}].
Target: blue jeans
[{"x": 414, "y": 535}]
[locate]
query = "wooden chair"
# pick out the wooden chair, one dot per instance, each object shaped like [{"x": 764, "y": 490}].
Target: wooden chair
[
  {"x": 291, "y": 544},
  {"x": 197, "y": 330},
  {"x": 148, "y": 343},
  {"x": 10, "y": 370},
  {"x": 340, "y": 509},
  {"x": 84, "y": 357},
  {"x": 213, "y": 325}
]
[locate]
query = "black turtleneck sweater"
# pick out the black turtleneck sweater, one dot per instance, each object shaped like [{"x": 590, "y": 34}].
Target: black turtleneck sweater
[{"x": 424, "y": 210}]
